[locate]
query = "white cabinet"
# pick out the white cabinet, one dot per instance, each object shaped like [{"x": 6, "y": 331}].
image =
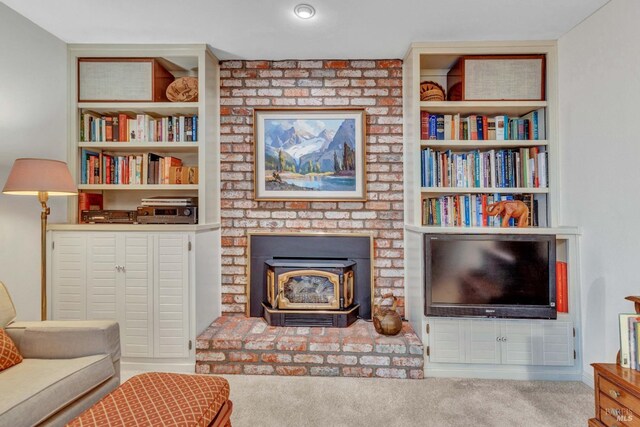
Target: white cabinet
[
  {"x": 146, "y": 281},
  {"x": 506, "y": 342}
]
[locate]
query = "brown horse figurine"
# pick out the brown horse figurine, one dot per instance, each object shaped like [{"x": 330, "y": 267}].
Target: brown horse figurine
[{"x": 510, "y": 209}]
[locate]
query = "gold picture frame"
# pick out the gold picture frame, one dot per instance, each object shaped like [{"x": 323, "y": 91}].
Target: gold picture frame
[{"x": 309, "y": 154}]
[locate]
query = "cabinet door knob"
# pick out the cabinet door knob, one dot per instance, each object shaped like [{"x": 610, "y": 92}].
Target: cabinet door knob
[
  {"x": 117, "y": 268},
  {"x": 614, "y": 393}
]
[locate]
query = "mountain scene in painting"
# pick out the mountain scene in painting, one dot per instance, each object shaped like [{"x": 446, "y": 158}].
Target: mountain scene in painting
[{"x": 310, "y": 155}]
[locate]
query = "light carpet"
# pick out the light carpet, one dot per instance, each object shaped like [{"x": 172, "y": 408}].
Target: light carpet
[{"x": 317, "y": 401}]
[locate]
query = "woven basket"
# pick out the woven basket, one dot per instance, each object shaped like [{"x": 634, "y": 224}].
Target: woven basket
[
  {"x": 431, "y": 91},
  {"x": 183, "y": 89}
]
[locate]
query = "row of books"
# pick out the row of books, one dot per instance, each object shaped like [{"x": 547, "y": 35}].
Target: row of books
[
  {"x": 629, "y": 340},
  {"x": 147, "y": 168},
  {"x": 562, "y": 288},
  {"x": 131, "y": 127},
  {"x": 470, "y": 210},
  {"x": 507, "y": 168},
  {"x": 531, "y": 126}
]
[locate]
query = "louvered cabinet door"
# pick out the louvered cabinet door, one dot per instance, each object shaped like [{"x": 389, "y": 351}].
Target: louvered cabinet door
[
  {"x": 68, "y": 276},
  {"x": 446, "y": 340},
  {"x": 136, "y": 294},
  {"x": 102, "y": 276},
  {"x": 483, "y": 341},
  {"x": 171, "y": 320},
  {"x": 519, "y": 343},
  {"x": 557, "y": 344}
]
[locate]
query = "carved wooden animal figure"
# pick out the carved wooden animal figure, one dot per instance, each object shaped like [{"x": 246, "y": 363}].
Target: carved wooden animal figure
[{"x": 510, "y": 209}]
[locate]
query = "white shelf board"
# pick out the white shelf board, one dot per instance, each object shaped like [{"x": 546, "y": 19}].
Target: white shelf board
[
  {"x": 518, "y": 108},
  {"x": 162, "y": 107},
  {"x": 492, "y": 230},
  {"x": 126, "y": 187},
  {"x": 141, "y": 146},
  {"x": 458, "y": 144},
  {"x": 488, "y": 190},
  {"x": 133, "y": 227}
]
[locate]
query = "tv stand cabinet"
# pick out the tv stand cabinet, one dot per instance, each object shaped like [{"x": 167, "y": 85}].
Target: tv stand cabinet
[{"x": 500, "y": 341}]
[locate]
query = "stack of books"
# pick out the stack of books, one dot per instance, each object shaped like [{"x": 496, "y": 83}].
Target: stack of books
[
  {"x": 531, "y": 126},
  {"x": 131, "y": 127},
  {"x": 629, "y": 340},
  {"x": 514, "y": 168},
  {"x": 470, "y": 210}
]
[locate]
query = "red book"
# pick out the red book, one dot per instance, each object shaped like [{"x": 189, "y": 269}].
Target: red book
[
  {"x": 123, "y": 127},
  {"x": 485, "y": 216},
  {"x": 565, "y": 287},
  {"x": 88, "y": 202},
  {"x": 108, "y": 128},
  {"x": 424, "y": 125},
  {"x": 562, "y": 305},
  {"x": 485, "y": 128}
]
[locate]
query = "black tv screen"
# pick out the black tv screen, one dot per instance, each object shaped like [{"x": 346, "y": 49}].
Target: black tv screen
[{"x": 490, "y": 276}]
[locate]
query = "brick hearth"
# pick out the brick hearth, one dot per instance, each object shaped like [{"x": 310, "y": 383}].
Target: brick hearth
[{"x": 241, "y": 345}]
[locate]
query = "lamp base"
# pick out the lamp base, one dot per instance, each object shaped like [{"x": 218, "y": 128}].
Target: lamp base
[{"x": 43, "y": 197}]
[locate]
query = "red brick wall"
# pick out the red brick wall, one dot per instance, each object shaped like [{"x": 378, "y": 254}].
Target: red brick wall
[{"x": 375, "y": 85}]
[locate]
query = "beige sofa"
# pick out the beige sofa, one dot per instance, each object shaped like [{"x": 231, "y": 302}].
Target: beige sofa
[{"x": 67, "y": 367}]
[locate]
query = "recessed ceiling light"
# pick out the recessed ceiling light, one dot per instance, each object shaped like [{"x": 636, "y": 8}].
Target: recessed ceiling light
[{"x": 304, "y": 11}]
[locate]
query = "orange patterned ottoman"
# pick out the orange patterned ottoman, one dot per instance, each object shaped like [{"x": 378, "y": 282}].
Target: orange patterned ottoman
[{"x": 162, "y": 399}]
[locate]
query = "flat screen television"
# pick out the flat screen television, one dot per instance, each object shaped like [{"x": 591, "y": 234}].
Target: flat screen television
[{"x": 481, "y": 275}]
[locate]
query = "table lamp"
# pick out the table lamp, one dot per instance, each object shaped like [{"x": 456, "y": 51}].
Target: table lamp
[{"x": 42, "y": 178}]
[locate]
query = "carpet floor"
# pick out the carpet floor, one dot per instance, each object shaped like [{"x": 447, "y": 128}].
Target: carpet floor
[{"x": 315, "y": 401}]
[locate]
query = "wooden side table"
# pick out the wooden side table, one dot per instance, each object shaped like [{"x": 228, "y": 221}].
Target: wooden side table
[{"x": 617, "y": 393}]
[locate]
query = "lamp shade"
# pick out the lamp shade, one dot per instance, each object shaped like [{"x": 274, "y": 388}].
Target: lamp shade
[{"x": 33, "y": 176}]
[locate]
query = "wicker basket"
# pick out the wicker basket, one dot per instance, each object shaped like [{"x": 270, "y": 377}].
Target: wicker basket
[
  {"x": 431, "y": 91},
  {"x": 183, "y": 89}
]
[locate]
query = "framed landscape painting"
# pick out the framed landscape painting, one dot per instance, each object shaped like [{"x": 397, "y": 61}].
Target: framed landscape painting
[{"x": 309, "y": 154}]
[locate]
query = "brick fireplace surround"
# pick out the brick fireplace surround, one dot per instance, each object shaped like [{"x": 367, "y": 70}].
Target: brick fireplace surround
[
  {"x": 375, "y": 85},
  {"x": 238, "y": 344}
]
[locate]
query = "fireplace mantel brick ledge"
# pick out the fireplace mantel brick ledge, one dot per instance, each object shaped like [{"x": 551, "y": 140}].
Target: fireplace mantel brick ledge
[{"x": 241, "y": 345}]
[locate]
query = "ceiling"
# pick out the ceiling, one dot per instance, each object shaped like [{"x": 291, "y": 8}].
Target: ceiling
[{"x": 268, "y": 29}]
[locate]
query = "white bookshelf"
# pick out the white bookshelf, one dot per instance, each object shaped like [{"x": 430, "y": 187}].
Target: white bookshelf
[
  {"x": 431, "y": 62},
  {"x": 452, "y": 144},
  {"x": 480, "y": 190},
  {"x": 171, "y": 289},
  {"x": 481, "y": 107},
  {"x": 134, "y": 147},
  {"x": 180, "y": 60}
]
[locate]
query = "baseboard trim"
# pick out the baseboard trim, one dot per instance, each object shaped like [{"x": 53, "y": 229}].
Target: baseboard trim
[
  {"x": 588, "y": 379},
  {"x": 177, "y": 367},
  {"x": 523, "y": 373}
]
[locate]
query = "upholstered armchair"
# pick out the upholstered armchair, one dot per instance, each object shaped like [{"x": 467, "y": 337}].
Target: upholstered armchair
[{"x": 66, "y": 367}]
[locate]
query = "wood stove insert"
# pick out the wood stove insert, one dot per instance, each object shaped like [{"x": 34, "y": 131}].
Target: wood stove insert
[
  {"x": 310, "y": 280},
  {"x": 320, "y": 292}
]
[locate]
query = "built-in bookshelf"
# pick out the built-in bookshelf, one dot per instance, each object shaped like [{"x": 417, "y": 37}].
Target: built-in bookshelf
[
  {"x": 464, "y": 155},
  {"x": 127, "y": 151},
  {"x": 159, "y": 281},
  {"x": 461, "y": 156}
]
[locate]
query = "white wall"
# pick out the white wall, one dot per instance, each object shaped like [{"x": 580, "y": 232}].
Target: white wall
[
  {"x": 599, "y": 84},
  {"x": 33, "y": 122}
]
